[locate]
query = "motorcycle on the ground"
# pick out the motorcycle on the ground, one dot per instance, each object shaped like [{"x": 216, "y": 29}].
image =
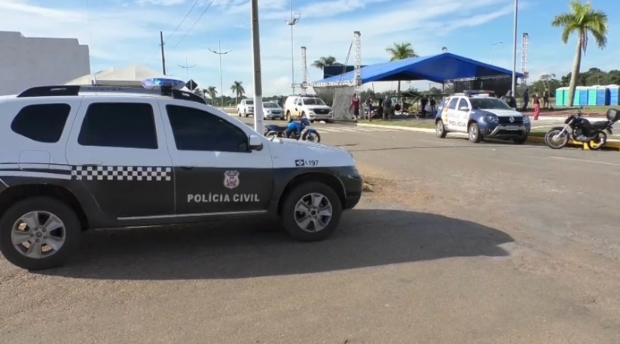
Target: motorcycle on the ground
[
  {"x": 580, "y": 129},
  {"x": 301, "y": 127}
]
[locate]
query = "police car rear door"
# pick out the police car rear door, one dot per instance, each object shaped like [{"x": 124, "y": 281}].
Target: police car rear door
[
  {"x": 450, "y": 111},
  {"x": 214, "y": 171},
  {"x": 118, "y": 151}
]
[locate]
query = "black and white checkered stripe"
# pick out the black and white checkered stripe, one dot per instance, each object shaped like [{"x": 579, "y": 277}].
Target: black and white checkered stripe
[{"x": 116, "y": 173}]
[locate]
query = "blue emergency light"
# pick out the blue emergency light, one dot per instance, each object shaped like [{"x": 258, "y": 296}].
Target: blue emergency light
[{"x": 152, "y": 83}]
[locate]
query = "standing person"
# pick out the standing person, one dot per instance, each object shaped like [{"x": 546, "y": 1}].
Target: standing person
[
  {"x": 546, "y": 98},
  {"x": 433, "y": 106},
  {"x": 355, "y": 105},
  {"x": 423, "y": 103},
  {"x": 536, "y": 106},
  {"x": 510, "y": 100},
  {"x": 369, "y": 107},
  {"x": 526, "y": 98},
  {"x": 387, "y": 107}
]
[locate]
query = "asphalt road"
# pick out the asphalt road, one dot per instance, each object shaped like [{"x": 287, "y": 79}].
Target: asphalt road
[{"x": 458, "y": 243}]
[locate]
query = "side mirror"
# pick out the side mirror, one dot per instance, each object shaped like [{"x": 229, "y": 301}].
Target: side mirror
[
  {"x": 255, "y": 143},
  {"x": 463, "y": 108}
]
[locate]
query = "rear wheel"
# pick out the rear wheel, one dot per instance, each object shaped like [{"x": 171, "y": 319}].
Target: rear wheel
[
  {"x": 440, "y": 129},
  {"x": 598, "y": 142},
  {"x": 39, "y": 233},
  {"x": 311, "y": 211}
]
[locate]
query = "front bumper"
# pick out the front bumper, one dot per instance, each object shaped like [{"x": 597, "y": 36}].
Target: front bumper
[
  {"x": 353, "y": 183},
  {"x": 315, "y": 116},
  {"x": 273, "y": 115},
  {"x": 505, "y": 131}
]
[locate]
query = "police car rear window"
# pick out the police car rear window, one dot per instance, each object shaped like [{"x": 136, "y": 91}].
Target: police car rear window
[
  {"x": 42, "y": 122},
  {"x": 121, "y": 125}
]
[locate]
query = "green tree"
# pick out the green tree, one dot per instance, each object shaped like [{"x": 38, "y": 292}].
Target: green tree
[
  {"x": 238, "y": 90},
  {"x": 211, "y": 91},
  {"x": 400, "y": 51},
  {"x": 583, "y": 21},
  {"x": 325, "y": 61}
]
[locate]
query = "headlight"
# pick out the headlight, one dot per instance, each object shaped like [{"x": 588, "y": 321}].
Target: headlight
[
  {"x": 491, "y": 119},
  {"x": 526, "y": 119}
]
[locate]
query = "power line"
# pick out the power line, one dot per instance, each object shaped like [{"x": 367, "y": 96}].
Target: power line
[
  {"x": 178, "y": 26},
  {"x": 196, "y": 22}
]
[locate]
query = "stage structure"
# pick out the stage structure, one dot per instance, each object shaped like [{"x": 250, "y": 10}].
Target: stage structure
[
  {"x": 525, "y": 41},
  {"x": 338, "y": 94}
]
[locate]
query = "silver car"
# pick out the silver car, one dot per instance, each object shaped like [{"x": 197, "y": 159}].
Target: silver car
[{"x": 272, "y": 110}]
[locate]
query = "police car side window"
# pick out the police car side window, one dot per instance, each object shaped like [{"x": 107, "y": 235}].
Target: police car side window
[
  {"x": 41, "y": 122},
  {"x": 197, "y": 130},
  {"x": 452, "y": 104},
  {"x": 121, "y": 125},
  {"x": 463, "y": 103}
]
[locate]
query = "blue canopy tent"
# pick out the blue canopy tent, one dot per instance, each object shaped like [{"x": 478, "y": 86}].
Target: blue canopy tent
[{"x": 439, "y": 68}]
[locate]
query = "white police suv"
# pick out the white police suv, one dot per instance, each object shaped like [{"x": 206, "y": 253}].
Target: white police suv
[
  {"x": 74, "y": 158},
  {"x": 481, "y": 116}
]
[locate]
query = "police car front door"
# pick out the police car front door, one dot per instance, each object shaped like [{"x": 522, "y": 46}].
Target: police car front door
[
  {"x": 450, "y": 114},
  {"x": 462, "y": 115},
  {"x": 214, "y": 171}
]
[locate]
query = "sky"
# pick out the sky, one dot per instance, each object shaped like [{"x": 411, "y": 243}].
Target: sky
[{"x": 122, "y": 32}]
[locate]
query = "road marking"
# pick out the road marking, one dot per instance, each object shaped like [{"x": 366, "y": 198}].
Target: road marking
[{"x": 587, "y": 161}]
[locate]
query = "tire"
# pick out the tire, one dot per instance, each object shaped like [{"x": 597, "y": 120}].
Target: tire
[
  {"x": 288, "y": 115},
  {"x": 473, "y": 132},
  {"x": 245, "y": 113},
  {"x": 71, "y": 229},
  {"x": 549, "y": 136},
  {"x": 440, "y": 129},
  {"x": 239, "y": 113},
  {"x": 273, "y": 134},
  {"x": 300, "y": 194},
  {"x": 315, "y": 137},
  {"x": 520, "y": 140},
  {"x": 593, "y": 145}
]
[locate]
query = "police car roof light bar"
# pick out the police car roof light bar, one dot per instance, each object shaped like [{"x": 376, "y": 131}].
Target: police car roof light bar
[{"x": 74, "y": 90}]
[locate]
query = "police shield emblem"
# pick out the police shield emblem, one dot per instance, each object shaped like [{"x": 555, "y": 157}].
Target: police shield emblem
[{"x": 231, "y": 179}]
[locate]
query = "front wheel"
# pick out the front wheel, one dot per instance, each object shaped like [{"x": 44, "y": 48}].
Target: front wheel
[
  {"x": 273, "y": 134},
  {"x": 474, "y": 133},
  {"x": 312, "y": 136},
  {"x": 39, "y": 233},
  {"x": 598, "y": 142},
  {"x": 556, "y": 138},
  {"x": 311, "y": 211},
  {"x": 440, "y": 129}
]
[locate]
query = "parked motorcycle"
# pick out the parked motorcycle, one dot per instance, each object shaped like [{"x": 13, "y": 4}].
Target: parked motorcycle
[
  {"x": 302, "y": 126},
  {"x": 578, "y": 128}
]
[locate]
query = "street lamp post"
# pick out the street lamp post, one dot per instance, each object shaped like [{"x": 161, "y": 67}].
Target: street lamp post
[
  {"x": 220, "y": 53},
  {"x": 514, "y": 50},
  {"x": 291, "y": 22},
  {"x": 493, "y": 53},
  {"x": 258, "y": 86}
]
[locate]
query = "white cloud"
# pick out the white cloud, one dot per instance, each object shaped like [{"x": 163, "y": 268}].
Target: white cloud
[{"x": 120, "y": 35}]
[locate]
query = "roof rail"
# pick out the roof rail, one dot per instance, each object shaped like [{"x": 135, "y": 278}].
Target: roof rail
[{"x": 74, "y": 90}]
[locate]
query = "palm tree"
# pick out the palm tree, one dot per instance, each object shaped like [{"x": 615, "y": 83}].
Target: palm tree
[
  {"x": 212, "y": 92},
  {"x": 238, "y": 90},
  {"x": 325, "y": 61},
  {"x": 400, "y": 51},
  {"x": 583, "y": 21}
]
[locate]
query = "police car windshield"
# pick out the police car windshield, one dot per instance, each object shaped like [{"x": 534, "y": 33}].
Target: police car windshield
[
  {"x": 270, "y": 105},
  {"x": 488, "y": 104},
  {"x": 313, "y": 101}
]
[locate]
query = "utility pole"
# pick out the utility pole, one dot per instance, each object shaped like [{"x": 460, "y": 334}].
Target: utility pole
[
  {"x": 291, "y": 22},
  {"x": 258, "y": 86},
  {"x": 163, "y": 56},
  {"x": 187, "y": 67},
  {"x": 220, "y": 53},
  {"x": 514, "y": 51}
]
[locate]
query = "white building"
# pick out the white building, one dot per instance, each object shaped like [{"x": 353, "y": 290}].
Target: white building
[{"x": 27, "y": 62}]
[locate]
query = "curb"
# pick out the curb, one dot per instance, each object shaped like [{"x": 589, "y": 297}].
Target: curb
[{"x": 611, "y": 145}]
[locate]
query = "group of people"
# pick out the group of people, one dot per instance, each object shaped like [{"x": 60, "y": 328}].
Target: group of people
[
  {"x": 385, "y": 107},
  {"x": 512, "y": 102}
]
